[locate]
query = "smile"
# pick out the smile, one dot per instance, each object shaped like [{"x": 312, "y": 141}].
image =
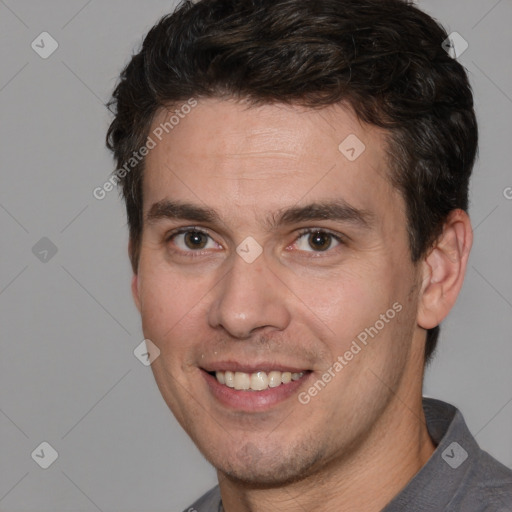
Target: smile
[
  {"x": 253, "y": 390},
  {"x": 256, "y": 381}
]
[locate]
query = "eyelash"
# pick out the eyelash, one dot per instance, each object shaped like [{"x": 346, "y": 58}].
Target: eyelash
[{"x": 306, "y": 231}]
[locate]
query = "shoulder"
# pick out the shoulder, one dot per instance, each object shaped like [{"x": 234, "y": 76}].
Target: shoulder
[
  {"x": 487, "y": 487},
  {"x": 208, "y": 502}
]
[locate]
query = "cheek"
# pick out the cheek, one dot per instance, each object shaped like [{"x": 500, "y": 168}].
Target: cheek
[
  {"x": 349, "y": 298},
  {"x": 170, "y": 303},
  {"x": 368, "y": 306}
]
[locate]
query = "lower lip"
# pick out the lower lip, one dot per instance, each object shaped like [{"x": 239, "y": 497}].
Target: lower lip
[{"x": 251, "y": 401}]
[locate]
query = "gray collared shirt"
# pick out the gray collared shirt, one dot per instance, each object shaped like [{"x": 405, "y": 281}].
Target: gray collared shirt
[{"x": 458, "y": 477}]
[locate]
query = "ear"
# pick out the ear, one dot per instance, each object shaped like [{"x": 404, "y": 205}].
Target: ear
[
  {"x": 135, "y": 281},
  {"x": 443, "y": 270}
]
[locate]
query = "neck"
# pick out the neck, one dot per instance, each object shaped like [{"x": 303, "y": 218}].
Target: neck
[{"x": 367, "y": 479}]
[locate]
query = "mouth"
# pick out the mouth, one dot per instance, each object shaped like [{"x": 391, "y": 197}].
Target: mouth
[
  {"x": 253, "y": 389},
  {"x": 255, "y": 381}
]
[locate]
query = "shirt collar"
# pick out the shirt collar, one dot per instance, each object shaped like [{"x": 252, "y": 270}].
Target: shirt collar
[{"x": 438, "y": 481}]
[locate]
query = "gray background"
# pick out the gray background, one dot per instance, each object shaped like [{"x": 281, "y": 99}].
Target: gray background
[{"x": 68, "y": 375}]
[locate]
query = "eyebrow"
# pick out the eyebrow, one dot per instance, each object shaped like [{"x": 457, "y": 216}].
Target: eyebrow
[{"x": 338, "y": 210}]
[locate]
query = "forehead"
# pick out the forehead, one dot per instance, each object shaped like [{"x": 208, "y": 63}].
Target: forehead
[{"x": 231, "y": 155}]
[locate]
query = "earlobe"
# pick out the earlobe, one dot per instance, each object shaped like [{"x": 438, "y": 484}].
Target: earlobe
[{"x": 444, "y": 269}]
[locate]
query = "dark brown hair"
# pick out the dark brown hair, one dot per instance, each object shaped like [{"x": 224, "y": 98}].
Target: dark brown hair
[{"x": 384, "y": 58}]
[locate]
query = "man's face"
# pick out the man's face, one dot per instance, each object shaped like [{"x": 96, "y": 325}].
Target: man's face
[{"x": 265, "y": 175}]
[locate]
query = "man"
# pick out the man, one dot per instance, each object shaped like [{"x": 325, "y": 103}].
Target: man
[{"x": 296, "y": 180}]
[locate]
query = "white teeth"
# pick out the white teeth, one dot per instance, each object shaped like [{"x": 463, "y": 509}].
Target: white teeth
[
  {"x": 286, "y": 377},
  {"x": 274, "y": 379},
  {"x": 229, "y": 377},
  {"x": 258, "y": 381},
  {"x": 242, "y": 380}
]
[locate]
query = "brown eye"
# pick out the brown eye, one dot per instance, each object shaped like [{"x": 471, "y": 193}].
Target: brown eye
[
  {"x": 191, "y": 241},
  {"x": 320, "y": 241},
  {"x": 317, "y": 240},
  {"x": 195, "y": 239}
]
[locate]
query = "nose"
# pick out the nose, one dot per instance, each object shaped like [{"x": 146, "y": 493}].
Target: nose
[{"x": 250, "y": 297}]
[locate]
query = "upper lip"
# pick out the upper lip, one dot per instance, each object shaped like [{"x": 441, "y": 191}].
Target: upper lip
[{"x": 262, "y": 366}]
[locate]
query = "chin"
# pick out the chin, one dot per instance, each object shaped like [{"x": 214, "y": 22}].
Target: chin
[{"x": 251, "y": 466}]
